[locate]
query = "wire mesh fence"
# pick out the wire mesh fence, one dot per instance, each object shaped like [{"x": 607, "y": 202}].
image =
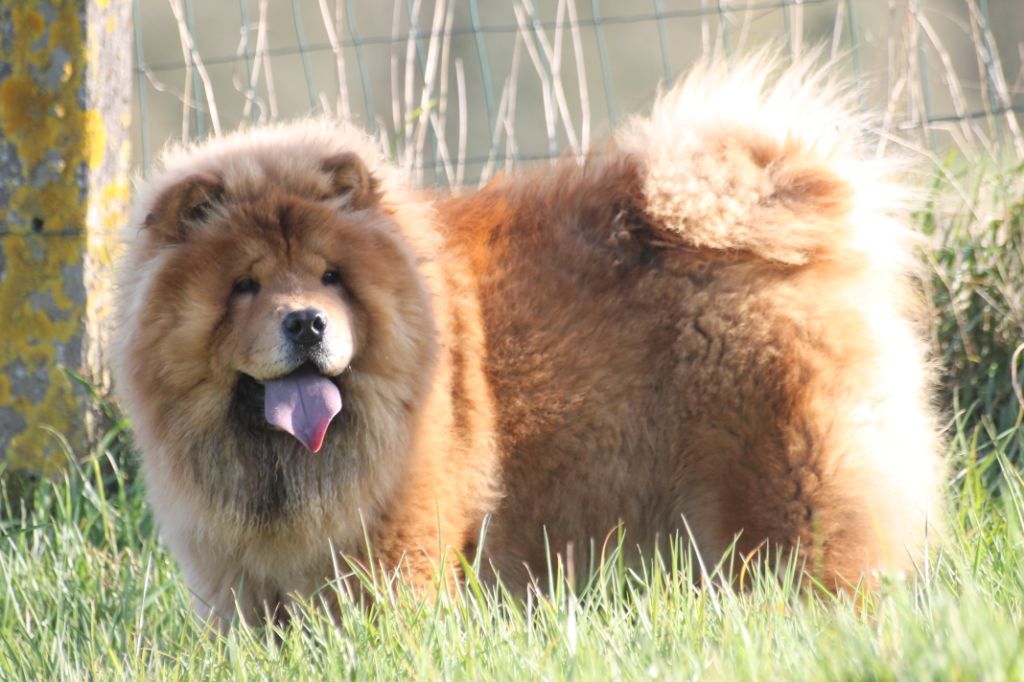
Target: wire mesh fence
[{"x": 459, "y": 89}]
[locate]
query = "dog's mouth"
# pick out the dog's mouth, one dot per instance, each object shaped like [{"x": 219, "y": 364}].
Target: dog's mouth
[{"x": 302, "y": 403}]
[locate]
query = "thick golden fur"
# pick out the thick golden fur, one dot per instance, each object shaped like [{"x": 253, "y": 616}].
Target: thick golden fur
[{"x": 710, "y": 321}]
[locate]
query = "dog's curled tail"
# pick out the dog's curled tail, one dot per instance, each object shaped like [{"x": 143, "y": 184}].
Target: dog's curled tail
[{"x": 750, "y": 157}]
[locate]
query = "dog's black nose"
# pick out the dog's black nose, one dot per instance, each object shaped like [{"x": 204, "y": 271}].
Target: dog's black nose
[{"x": 305, "y": 327}]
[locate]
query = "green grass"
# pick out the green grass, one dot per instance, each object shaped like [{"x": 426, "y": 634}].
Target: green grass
[
  {"x": 976, "y": 223},
  {"x": 86, "y": 590}
]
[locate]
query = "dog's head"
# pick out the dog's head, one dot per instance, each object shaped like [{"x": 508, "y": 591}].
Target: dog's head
[{"x": 261, "y": 285}]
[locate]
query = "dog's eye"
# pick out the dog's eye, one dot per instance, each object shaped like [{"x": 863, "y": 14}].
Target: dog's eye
[
  {"x": 331, "y": 277},
  {"x": 246, "y": 285}
]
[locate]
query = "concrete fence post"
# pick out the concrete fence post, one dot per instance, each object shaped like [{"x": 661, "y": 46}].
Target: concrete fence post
[{"x": 65, "y": 75}]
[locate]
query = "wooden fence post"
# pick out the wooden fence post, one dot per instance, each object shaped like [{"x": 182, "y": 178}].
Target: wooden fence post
[{"x": 65, "y": 85}]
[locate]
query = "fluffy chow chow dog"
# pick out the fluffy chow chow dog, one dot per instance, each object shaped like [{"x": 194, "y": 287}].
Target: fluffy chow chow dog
[{"x": 706, "y": 329}]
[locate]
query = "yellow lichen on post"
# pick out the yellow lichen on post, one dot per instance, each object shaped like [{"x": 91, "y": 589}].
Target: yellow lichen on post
[{"x": 61, "y": 180}]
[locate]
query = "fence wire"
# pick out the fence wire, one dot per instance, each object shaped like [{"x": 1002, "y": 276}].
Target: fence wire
[{"x": 458, "y": 89}]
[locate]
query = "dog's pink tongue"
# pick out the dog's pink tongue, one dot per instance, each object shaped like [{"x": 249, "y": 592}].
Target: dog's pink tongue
[{"x": 303, "y": 405}]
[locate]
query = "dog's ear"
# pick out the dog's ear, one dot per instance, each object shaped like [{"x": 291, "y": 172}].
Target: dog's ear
[
  {"x": 351, "y": 181},
  {"x": 185, "y": 205}
]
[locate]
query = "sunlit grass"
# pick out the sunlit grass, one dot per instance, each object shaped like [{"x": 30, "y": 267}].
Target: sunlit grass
[{"x": 87, "y": 590}]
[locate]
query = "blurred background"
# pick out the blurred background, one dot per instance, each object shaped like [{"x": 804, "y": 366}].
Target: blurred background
[{"x": 459, "y": 88}]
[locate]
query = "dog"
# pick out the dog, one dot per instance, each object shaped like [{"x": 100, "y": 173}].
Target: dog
[{"x": 710, "y": 330}]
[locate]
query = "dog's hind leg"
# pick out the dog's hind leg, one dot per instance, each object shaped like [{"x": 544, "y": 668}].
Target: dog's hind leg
[{"x": 810, "y": 430}]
